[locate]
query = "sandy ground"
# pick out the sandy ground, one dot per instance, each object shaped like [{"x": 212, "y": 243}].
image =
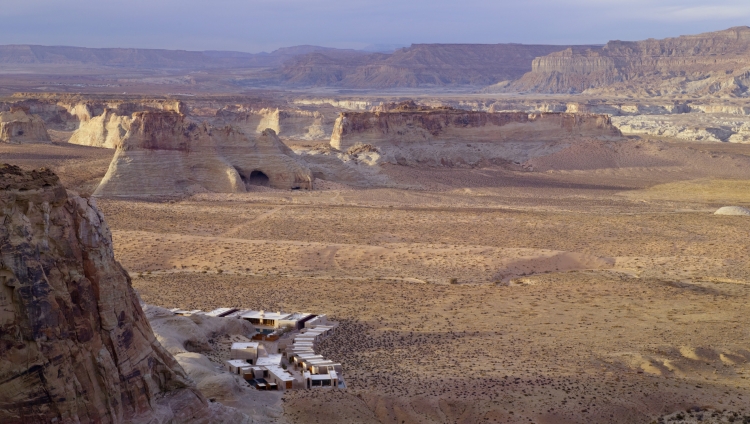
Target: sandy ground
[{"x": 579, "y": 292}]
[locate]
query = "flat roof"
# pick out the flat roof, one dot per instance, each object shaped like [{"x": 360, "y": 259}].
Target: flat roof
[
  {"x": 238, "y": 363},
  {"x": 319, "y": 362},
  {"x": 279, "y": 372},
  {"x": 320, "y": 377},
  {"x": 273, "y": 359},
  {"x": 220, "y": 312},
  {"x": 236, "y": 314},
  {"x": 265, "y": 315},
  {"x": 298, "y": 316},
  {"x": 245, "y": 345}
]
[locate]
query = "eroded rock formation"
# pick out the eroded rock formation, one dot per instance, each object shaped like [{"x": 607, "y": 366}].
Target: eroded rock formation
[
  {"x": 19, "y": 126},
  {"x": 288, "y": 123},
  {"x": 75, "y": 345},
  {"x": 410, "y": 134},
  {"x": 410, "y": 123},
  {"x": 710, "y": 64},
  {"x": 162, "y": 153},
  {"x": 106, "y": 130}
]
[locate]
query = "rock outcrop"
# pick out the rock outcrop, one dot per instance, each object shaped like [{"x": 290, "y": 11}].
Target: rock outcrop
[
  {"x": 162, "y": 153},
  {"x": 733, "y": 210},
  {"x": 75, "y": 346},
  {"x": 710, "y": 64},
  {"x": 106, "y": 130},
  {"x": 19, "y": 126},
  {"x": 409, "y": 123},
  {"x": 698, "y": 127},
  {"x": 409, "y": 134},
  {"x": 288, "y": 123}
]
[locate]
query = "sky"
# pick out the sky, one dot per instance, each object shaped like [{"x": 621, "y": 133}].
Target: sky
[{"x": 265, "y": 25}]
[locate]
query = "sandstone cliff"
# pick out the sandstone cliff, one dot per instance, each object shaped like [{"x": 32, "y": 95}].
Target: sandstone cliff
[
  {"x": 710, "y": 64},
  {"x": 288, "y": 123},
  {"x": 75, "y": 346},
  {"x": 418, "y": 65},
  {"x": 162, "y": 153},
  {"x": 19, "y": 126},
  {"x": 408, "y": 134},
  {"x": 106, "y": 130},
  {"x": 414, "y": 124}
]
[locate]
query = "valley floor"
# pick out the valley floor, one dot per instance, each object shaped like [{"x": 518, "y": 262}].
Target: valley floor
[{"x": 480, "y": 295}]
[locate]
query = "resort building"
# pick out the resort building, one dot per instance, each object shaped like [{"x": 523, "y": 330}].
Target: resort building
[{"x": 245, "y": 351}]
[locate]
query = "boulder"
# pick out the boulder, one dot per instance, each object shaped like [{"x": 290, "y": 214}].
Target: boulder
[{"x": 733, "y": 210}]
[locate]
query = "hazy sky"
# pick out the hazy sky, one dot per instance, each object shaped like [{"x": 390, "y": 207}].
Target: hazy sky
[{"x": 264, "y": 25}]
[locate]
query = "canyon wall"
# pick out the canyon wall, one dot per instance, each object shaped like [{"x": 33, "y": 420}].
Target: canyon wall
[
  {"x": 414, "y": 135},
  {"x": 163, "y": 153},
  {"x": 287, "y": 123},
  {"x": 75, "y": 346},
  {"x": 415, "y": 125},
  {"x": 19, "y": 126},
  {"x": 105, "y": 130},
  {"x": 711, "y": 64}
]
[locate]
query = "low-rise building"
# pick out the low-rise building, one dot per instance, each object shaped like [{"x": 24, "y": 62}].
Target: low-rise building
[
  {"x": 247, "y": 351},
  {"x": 222, "y": 312}
]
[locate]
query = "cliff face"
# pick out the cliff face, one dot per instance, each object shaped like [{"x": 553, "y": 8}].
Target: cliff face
[
  {"x": 716, "y": 64},
  {"x": 75, "y": 345},
  {"x": 162, "y": 153},
  {"x": 106, "y": 130},
  {"x": 418, "y": 65},
  {"x": 419, "y": 124},
  {"x": 413, "y": 135},
  {"x": 290, "y": 124},
  {"x": 18, "y": 126}
]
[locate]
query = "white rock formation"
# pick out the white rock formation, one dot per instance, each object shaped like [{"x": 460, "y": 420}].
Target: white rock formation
[
  {"x": 164, "y": 154},
  {"x": 106, "y": 130},
  {"x": 18, "y": 126},
  {"x": 698, "y": 127},
  {"x": 733, "y": 210}
]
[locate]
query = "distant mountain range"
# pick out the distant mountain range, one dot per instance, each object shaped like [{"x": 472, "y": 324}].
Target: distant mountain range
[
  {"x": 155, "y": 58},
  {"x": 716, "y": 63}
]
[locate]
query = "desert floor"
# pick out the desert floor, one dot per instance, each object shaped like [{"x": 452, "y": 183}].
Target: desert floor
[{"x": 600, "y": 293}]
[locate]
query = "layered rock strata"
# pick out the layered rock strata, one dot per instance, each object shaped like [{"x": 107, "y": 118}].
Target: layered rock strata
[
  {"x": 19, "y": 126},
  {"x": 408, "y": 134},
  {"x": 415, "y": 124},
  {"x": 417, "y": 65},
  {"x": 289, "y": 124},
  {"x": 162, "y": 153},
  {"x": 710, "y": 64},
  {"x": 75, "y": 346},
  {"x": 106, "y": 130},
  {"x": 698, "y": 127}
]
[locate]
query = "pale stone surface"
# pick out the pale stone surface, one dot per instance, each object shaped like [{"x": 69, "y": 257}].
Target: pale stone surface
[
  {"x": 106, "y": 130},
  {"x": 19, "y": 126},
  {"x": 733, "y": 210},
  {"x": 287, "y": 123},
  {"x": 76, "y": 346},
  {"x": 698, "y": 127},
  {"x": 164, "y": 154}
]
